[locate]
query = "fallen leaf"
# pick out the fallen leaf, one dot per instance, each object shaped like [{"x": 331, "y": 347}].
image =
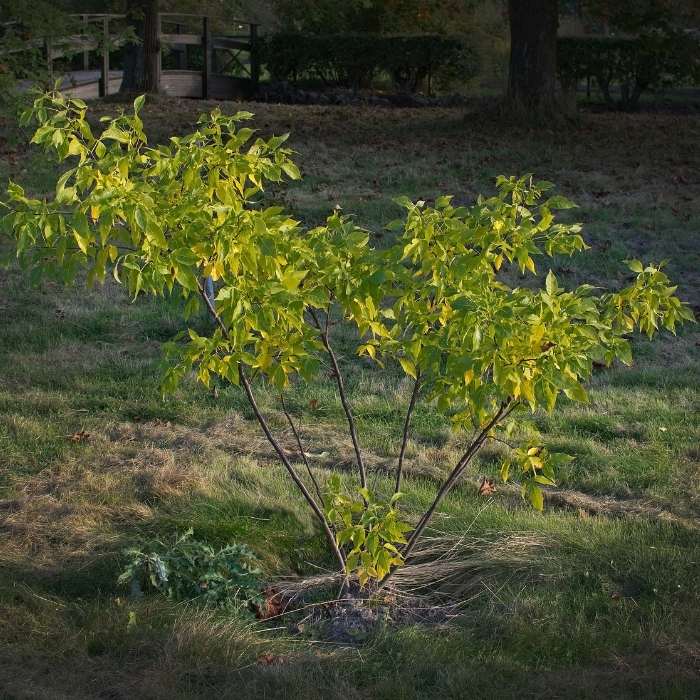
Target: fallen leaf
[
  {"x": 615, "y": 596},
  {"x": 215, "y": 393},
  {"x": 327, "y": 609},
  {"x": 137, "y": 419},
  {"x": 313, "y": 404},
  {"x": 486, "y": 488},
  {"x": 270, "y": 660},
  {"x": 79, "y": 437},
  {"x": 272, "y": 607}
]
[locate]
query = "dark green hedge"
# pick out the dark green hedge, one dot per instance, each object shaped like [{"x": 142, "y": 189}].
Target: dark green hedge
[
  {"x": 355, "y": 60},
  {"x": 635, "y": 64}
]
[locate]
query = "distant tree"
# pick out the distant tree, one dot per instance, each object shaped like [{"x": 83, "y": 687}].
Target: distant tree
[
  {"x": 662, "y": 18},
  {"x": 374, "y": 16},
  {"x": 532, "y": 65},
  {"x": 141, "y": 58}
]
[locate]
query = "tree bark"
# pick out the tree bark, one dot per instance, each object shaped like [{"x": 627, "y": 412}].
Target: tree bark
[
  {"x": 141, "y": 60},
  {"x": 533, "y": 45}
]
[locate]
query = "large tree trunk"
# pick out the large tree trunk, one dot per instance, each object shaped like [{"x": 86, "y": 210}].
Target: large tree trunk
[
  {"x": 141, "y": 60},
  {"x": 533, "y": 45}
]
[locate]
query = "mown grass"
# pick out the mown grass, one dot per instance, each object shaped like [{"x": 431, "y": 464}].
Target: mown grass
[{"x": 602, "y": 598}]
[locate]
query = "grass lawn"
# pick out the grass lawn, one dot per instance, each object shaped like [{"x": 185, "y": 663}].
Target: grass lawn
[{"x": 595, "y": 597}]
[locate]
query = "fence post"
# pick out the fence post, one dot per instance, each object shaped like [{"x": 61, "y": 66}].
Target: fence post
[
  {"x": 254, "y": 67},
  {"x": 86, "y": 54},
  {"x": 181, "y": 54},
  {"x": 206, "y": 49},
  {"x": 49, "y": 60},
  {"x": 104, "y": 68}
]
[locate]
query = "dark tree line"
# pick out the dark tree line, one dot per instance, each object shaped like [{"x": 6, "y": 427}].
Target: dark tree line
[{"x": 533, "y": 30}]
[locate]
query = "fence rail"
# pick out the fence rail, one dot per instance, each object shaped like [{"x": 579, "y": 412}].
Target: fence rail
[{"x": 228, "y": 70}]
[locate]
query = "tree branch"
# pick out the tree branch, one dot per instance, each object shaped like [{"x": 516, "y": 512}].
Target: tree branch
[
  {"x": 343, "y": 397},
  {"x": 406, "y": 429},
  {"x": 289, "y": 467},
  {"x": 474, "y": 448},
  {"x": 277, "y": 447},
  {"x": 301, "y": 450}
]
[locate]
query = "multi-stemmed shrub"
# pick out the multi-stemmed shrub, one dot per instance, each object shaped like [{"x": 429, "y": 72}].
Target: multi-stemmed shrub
[{"x": 165, "y": 219}]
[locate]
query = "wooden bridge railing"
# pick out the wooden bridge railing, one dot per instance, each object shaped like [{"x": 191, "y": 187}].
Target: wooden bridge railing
[{"x": 219, "y": 53}]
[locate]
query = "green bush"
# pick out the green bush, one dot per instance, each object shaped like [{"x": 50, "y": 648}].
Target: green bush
[
  {"x": 354, "y": 60},
  {"x": 165, "y": 219},
  {"x": 182, "y": 568},
  {"x": 634, "y": 63}
]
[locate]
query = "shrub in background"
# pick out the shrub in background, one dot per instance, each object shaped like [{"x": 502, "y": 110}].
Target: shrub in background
[
  {"x": 635, "y": 64},
  {"x": 355, "y": 60}
]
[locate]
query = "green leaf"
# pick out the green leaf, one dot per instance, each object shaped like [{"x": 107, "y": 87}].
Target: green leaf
[
  {"x": 559, "y": 202},
  {"x": 291, "y": 170},
  {"x": 138, "y": 103},
  {"x": 396, "y": 225},
  {"x": 291, "y": 280},
  {"x": 534, "y": 494},
  {"x": 505, "y": 470},
  {"x": 576, "y": 392},
  {"x": 407, "y": 366},
  {"x": 140, "y": 217}
]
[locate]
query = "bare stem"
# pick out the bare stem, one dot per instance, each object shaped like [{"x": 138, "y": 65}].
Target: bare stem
[
  {"x": 343, "y": 397},
  {"x": 212, "y": 310},
  {"x": 277, "y": 447},
  {"x": 474, "y": 448},
  {"x": 301, "y": 450},
  {"x": 290, "y": 468},
  {"x": 406, "y": 429}
]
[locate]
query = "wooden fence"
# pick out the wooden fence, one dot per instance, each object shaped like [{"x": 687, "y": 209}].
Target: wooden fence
[{"x": 227, "y": 66}]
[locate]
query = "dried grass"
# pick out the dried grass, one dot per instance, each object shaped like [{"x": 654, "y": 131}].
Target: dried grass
[
  {"x": 74, "y": 508},
  {"x": 444, "y": 570}
]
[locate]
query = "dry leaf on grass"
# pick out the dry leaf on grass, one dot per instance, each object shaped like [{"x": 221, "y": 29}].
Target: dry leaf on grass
[
  {"x": 273, "y": 606},
  {"x": 270, "y": 660},
  {"x": 79, "y": 437},
  {"x": 487, "y": 488}
]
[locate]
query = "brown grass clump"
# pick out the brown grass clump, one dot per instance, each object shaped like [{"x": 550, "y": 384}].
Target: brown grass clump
[{"x": 74, "y": 508}]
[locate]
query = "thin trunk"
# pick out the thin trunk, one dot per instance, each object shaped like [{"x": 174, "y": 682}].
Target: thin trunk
[
  {"x": 301, "y": 451},
  {"x": 406, "y": 429},
  {"x": 288, "y": 466},
  {"x": 474, "y": 448},
  {"x": 454, "y": 477},
  {"x": 271, "y": 439},
  {"x": 343, "y": 397}
]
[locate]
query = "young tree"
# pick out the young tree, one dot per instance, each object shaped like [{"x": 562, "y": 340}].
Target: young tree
[{"x": 164, "y": 219}]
